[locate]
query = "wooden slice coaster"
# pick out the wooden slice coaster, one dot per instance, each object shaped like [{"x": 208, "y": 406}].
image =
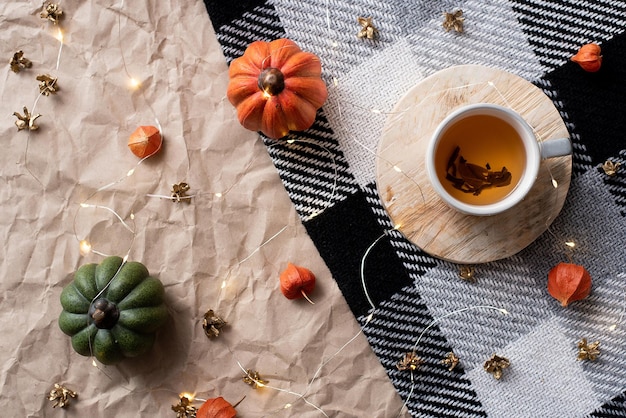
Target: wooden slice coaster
[{"x": 417, "y": 210}]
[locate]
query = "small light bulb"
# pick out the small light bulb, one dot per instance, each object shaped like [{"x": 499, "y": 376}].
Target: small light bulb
[
  {"x": 398, "y": 169},
  {"x": 94, "y": 364},
  {"x": 188, "y": 395},
  {"x": 59, "y": 35},
  {"x": 223, "y": 284},
  {"x": 555, "y": 184},
  {"x": 84, "y": 205},
  {"x": 613, "y": 327},
  {"x": 378, "y": 112},
  {"x": 287, "y": 406},
  {"x": 134, "y": 83},
  {"x": 266, "y": 94},
  {"x": 130, "y": 172},
  {"x": 218, "y": 195},
  {"x": 570, "y": 244},
  {"x": 132, "y": 216},
  {"x": 504, "y": 311},
  {"x": 85, "y": 247}
]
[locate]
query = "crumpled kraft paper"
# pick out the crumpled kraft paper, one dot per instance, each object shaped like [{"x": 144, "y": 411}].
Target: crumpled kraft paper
[{"x": 240, "y": 229}]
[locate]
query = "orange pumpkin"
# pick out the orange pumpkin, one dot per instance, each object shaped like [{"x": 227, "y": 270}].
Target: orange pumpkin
[
  {"x": 276, "y": 87},
  {"x": 216, "y": 408}
]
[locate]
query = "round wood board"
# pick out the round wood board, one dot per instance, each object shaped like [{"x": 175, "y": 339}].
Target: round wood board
[{"x": 415, "y": 208}]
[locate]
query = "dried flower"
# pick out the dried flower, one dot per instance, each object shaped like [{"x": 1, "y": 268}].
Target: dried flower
[
  {"x": 453, "y": 20},
  {"x": 18, "y": 62},
  {"x": 253, "y": 378},
  {"x": 568, "y": 283},
  {"x": 610, "y": 168},
  {"x": 26, "y": 121},
  {"x": 52, "y": 12},
  {"x": 451, "y": 360},
  {"x": 212, "y": 324},
  {"x": 296, "y": 282},
  {"x": 184, "y": 408},
  {"x": 47, "y": 84},
  {"x": 589, "y": 57},
  {"x": 468, "y": 273},
  {"x": 495, "y": 365},
  {"x": 368, "y": 30},
  {"x": 145, "y": 141},
  {"x": 179, "y": 193},
  {"x": 409, "y": 362},
  {"x": 588, "y": 351},
  {"x": 61, "y": 395}
]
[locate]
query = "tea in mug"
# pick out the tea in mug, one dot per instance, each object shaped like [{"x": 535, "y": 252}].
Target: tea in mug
[{"x": 480, "y": 159}]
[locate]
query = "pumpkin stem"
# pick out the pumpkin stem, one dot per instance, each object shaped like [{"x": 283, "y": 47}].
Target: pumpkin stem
[
  {"x": 104, "y": 314},
  {"x": 271, "y": 81},
  {"x": 306, "y": 297}
]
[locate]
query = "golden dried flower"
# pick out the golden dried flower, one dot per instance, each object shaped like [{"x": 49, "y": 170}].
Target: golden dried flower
[
  {"x": 610, "y": 168},
  {"x": 588, "y": 351},
  {"x": 409, "y": 362},
  {"x": 451, "y": 360},
  {"x": 52, "y": 12},
  {"x": 47, "y": 84},
  {"x": 453, "y": 20},
  {"x": 368, "y": 30},
  {"x": 18, "y": 62},
  {"x": 26, "y": 121},
  {"x": 179, "y": 193},
  {"x": 468, "y": 273},
  {"x": 184, "y": 408},
  {"x": 212, "y": 324},
  {"x": 253, "y": 378},
  {"x": 61, "y": 395},
  {"x": 495, "y": 365}
]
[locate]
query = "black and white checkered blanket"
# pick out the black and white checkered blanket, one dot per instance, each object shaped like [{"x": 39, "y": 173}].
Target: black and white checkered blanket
[{"x": 331, "y": 174}]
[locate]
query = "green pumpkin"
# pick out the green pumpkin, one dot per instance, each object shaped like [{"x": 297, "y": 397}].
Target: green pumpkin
[{"x": 112, "y": 316}]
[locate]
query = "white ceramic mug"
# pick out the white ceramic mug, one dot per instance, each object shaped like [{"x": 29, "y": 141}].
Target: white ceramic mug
[{"x": 461, "y": 180}]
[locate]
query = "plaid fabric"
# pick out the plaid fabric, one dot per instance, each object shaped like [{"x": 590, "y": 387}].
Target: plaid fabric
[{"x": 330, "y": 172}]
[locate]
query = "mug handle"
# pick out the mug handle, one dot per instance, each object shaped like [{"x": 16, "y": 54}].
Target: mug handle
[{"x": 555, "y": 148}]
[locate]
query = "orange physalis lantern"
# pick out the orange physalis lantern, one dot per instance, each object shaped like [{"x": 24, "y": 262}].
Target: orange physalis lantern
[
  {"x": 216, "y": 408},
  {"x": 589, "y": 57},
  {"x": 145, "y": 141},
  {"x": 568, "y": 283},
  {"x": 296, "y": 282}
]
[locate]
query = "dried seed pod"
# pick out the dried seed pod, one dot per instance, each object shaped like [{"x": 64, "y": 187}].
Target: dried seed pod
[
  {"x": 568, "y": 283},
  {"x": 589, "y": 57},
  {"x": 296, "y": 282},
  {"x": 216, "y": 408},
  {"x": 145, "y": 141}
]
